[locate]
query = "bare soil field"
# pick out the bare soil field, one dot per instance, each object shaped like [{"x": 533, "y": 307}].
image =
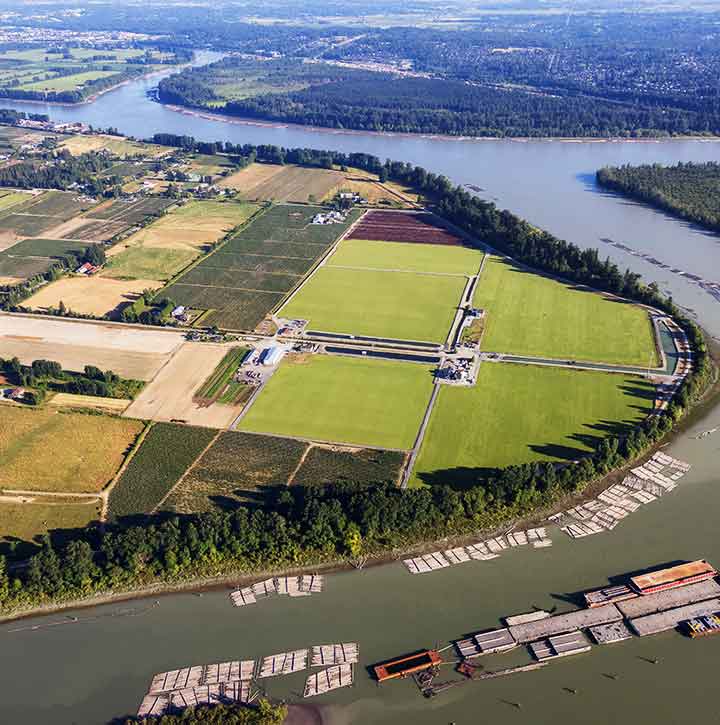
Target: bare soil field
[
  {"x": 77, "y": 145},
  {"x": 389, "y": 226},
  {"x": 90, "y": 295},
  {"x": 130, "y": 352},
  {"x": 284, "y": 183},
  {"x": 170, "y": 396}
]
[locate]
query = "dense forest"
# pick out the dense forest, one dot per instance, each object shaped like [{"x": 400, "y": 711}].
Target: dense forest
[
  {"x": 688, "y": 190},
  {"x": 339, "y": 97},
  {"x": 61, "y": 170},
  {"x": 303, "y": 526}
]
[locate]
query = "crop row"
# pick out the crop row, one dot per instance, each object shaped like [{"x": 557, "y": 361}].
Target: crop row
[
  {"x": 222, "y": 374},
  {"x": 165, "y": 454},
  {"x": 217, "y": 276}
]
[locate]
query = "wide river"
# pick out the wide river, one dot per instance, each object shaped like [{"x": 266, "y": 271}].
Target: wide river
[{"x": 98, "y": 667}]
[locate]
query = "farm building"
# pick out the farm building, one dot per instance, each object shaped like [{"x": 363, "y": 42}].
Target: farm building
[{"x": 271, "y": 356}]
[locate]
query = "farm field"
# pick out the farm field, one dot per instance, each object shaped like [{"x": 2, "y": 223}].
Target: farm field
[
  {"x": 163, "y": 457},
  {"x": 67, "y": 83},
  {"x": 42, "y": 213},
  {"x": 10, "y": 198},
  {"x": 23, "y": 522},
  {"x": 324, "y": 465},
  {"x": 435, "y": 258},
  {"x": 398, "y": 305},
  {"x": 47, "y": 450},
  {"x": 164, "y": 248},
  {"x": 220, "y": 385},
  {"x": 523, "y": 413},
  {"x": 250, "y": 274},
  {"x": 171, "y": 396},
  {"x": 561, "y": 322},
  {"x": 368, "y": 186},
  {"x": 130, "y": 352},
  {"x": 81, "y": 144},
  {"x": 89, "y": 295},
  {"x": 70, "y": 400},
  {"x": 262, "y": 182},
  {"x": 375, "y": 403},
  {"x": 237, "y": 468},
  {"x": 393, "y": 226}
]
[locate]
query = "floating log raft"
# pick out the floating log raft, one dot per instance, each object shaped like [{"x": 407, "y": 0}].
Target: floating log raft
[
  {"x": 153, "y": 705},
  {"x": 332, "y": 678},
  {"x": 224, "y": 672},
  {"x": 643, "y": 485},
  {"x": 610, "y": 633},
  {"x": 264, "y": 588},
  {"x": 293, "y": 586},
  {"x": 609, "y": 595},
  {"x": 534, "y": 616},
  {"x": 243, "y": 597},
  {"x": 662, "y": 621},
  {"x": 311, "y": 583},
  {"x": 562, "y": 623},
  {"x": 561, "y": 645},
  {"x": 481, "y": 551},
  {"x": 284, "y": 663},
  {"x": 334, "y": 654}
]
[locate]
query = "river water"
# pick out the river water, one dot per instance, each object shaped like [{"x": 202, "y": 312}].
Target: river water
[{"x": 99, "y": 667}]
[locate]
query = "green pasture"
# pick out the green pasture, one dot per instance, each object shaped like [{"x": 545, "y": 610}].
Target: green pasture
[
  {"x": 366, "y": 402},
  {"x": 530, "y": 314},
  {"x": 523, "y": 413},
  {"x": 401, "y": 305},
  {"x": 437, "y": 258},
  {"x": 148, "y": 263}
]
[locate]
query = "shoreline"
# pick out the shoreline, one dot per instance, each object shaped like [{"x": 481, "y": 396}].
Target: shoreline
[
  {"x": 240, "y": 121},
  {"x": 225, "y": 582}
]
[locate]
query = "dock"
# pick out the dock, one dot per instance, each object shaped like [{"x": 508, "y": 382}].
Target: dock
[
  {"x": 663, "y": 621},
  {"x": 563, "y": 623},
  {"x": 610, "y": 633},
  {"x": 561, "y": 645},
  {"x": 332, "y": 678}
]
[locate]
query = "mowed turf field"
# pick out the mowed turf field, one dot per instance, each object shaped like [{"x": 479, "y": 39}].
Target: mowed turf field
[
  {"x": 522, "y": 413},
  {"x": 342, "y": 399},
  {"x": 400, "y": 305},
  {"x": 529, "y": 314},
  {"x": 437, "y": 258}
]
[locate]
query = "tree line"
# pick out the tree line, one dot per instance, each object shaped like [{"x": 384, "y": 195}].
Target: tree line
[
  {"x": 262, "y": 714},
  {"x": 688, "y": 190}
]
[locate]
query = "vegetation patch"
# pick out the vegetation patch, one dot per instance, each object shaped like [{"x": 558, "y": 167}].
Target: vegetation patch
[
  {"x": 49, "y": 450},
  {"x": 523, "y": 413},
  {"x": 375, "y": 403},
  {"x": 324, "y": 465},
  {"x": 238, "y": 467},
  {"x": 401, "y": 305},
  {"x": 530, "y": 314},
  {"x": 167, "y": 451},
  {"x": 221, "y": 386},
  {"x": 377, "y": 254}
]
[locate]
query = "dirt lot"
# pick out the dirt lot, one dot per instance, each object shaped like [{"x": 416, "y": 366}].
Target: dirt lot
[
  {"x": 130, "y": 352},
  {"x": 90, "y": 295},
  {"x": 170, "y": 396},
  {"x": 284, "y": 183}
]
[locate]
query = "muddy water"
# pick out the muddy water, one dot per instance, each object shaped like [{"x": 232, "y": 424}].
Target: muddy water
[{"x": 91, "y": 670}]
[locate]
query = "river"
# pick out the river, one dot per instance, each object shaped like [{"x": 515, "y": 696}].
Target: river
[{"x": 94, "y": 669}]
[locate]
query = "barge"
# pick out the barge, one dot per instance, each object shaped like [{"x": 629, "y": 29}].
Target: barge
[
  {"x": 673, "y": 577},
  {"x": 702, "y": 626},
  {"x": 408, "y": 665}
]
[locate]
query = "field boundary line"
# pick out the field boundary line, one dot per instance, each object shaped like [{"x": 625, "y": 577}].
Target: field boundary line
[
  {"x": 217, "y": 286},
  {"x": 20, "y": 492},
  {"x": 105, "y": 493},
  {"x": 420, "y": 436},
  {"x": 401, "y": 271},
  {"x": 321, "y": 441},
  {"x": 307, "y": 450},
  {"x": 182, "y": 478}
]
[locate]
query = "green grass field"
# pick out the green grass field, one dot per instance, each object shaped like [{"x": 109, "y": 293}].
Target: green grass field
[
  {"x": 348, "y": 400},
  {"x": 437, "y": 258},
  {"x": 220, "y": 386},
  {"x": 11, "y": 198},
  {"x": 529, "y": 314},
  {"x": 148, "y": 263},
  {"x": 522, "y": 413},
  {"x": 401, "y": 305},
  {"x": 68, "y": 83}
]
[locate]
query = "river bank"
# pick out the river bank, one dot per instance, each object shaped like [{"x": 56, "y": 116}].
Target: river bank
[
  {"x": 260, "y": 123},
  {"x": 232, "y": 579}
]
